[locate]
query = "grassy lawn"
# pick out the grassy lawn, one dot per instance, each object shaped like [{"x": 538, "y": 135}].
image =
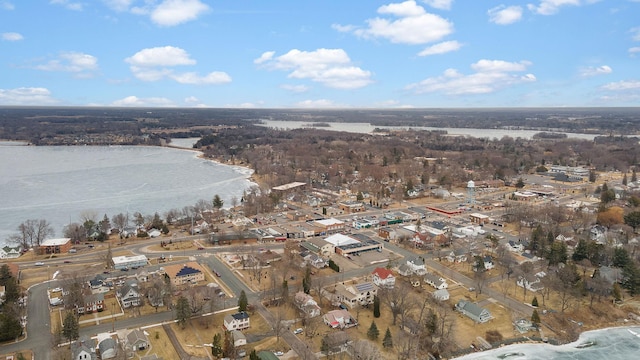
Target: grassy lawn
[{"x": 160, "y": 343}]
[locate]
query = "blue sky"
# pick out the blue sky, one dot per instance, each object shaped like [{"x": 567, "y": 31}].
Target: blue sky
[{"x": 320, "y": 54}]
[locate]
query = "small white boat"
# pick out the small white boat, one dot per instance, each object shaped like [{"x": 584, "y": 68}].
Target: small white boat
[{"x": 634, "y": 333}]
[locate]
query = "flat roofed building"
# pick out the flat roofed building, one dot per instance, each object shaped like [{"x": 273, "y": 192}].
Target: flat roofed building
[
  {"x": 128, "y": 262},
  {"x": 55, "y": 246}
]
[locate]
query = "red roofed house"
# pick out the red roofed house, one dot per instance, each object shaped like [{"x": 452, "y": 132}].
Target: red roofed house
[{"x": 383, "y": 277}]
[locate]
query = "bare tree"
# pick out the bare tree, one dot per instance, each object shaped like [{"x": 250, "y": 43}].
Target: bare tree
[
  {"x": 32, "y": 232},
  {"x": 76, "y": 232},
  {"x": 120, "y": 221},
  {"x": 397, "y": 300},
  {"x": 365, "y": 350}
]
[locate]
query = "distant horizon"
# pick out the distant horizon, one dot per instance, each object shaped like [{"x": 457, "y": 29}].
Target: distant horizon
[
  {"x": 311, "y": 109},
  {"x": 331, "y": 54}
]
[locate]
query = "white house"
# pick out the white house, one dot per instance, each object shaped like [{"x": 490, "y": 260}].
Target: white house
[
  {"x": 237, "y": 321},
  {"x": 515, "y": 246},
  {"x": 383, "y": 277},
  {"x": 441, "y": 295},
  {"x": 457, "y": 255},
  {"x": 306, "y": 304},
  {"x": 417, "y": 265},
  {"x": 356, "y": 294},
  {"x": 9, "y": 252},
  {"x": 129, "y": 295},
  {"x": 239, "y": 339},
  {"x": 435, "y": 281},
  {"x": 339, "y": 319},
  {"x": 531, "y": 282}
]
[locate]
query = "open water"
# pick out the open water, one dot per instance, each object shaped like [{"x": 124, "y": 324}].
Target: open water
[
  {"x": 622, "y": 343},
  {"x": 59, "y": 183}
]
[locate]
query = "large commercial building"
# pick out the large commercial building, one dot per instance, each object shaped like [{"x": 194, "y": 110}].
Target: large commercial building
[{"x": 129, "y": 262}]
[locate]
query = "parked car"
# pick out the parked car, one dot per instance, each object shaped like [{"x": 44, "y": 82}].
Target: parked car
[
  {"x": 298, "y": 331},
  {"x": 67, "y": 261},
  {"x": 278, "y": 353},
  {"x": 39, "y": 263}
]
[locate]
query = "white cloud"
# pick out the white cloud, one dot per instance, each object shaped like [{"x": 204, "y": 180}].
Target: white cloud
[
  {"x": 410, "y": 24},
  {"x": 343, "y": 28},
  {"x": 635, "y": 34},
  {"x": 503, "y": 15},
  {"x": 314, "y": 104},
  {"x": 160, "y": 56},
  {"x": 12, "y": 36},
  {"x": 83, "y": 65},
  {"x": 330, "y": 67},
  {"x": 191, "y": 100},
  {"x": 634, "y": 50},
  {"x": 76, "y": 6},
  {"x": 439, "y": 4},
  {"x": 118, "y": 5},
  {"x": 623, "y": 85},
  {"x": 175, "y": 12},
  {"x": 550, "y": 7},
  {"x": 490, "y": 76},
  {"x": 26, "y": 96},
  {"x": 6, "y": 5},
  {"x": 266, "y": 56},
  {"x": 441, "y": 48},
  {"x": 140, "y": 102},
  {"x": 154, "y": 64},
  {"x": 245, "y": 105},
  {"x": 215, "y": 77},
  {"x": 595, "y": 70},
  {"x": 295, "y": 88}
]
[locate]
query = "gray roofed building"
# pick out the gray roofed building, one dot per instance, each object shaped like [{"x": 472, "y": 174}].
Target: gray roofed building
[
  {"x": 107, "y": 348},
  {"x": 137, "y": 340},
  {"x": 84, "y": 349},
  {"x": 473, "y": 311}
]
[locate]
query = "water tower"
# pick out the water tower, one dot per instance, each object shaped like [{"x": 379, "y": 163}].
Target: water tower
[{"x": 471, "y": 192}]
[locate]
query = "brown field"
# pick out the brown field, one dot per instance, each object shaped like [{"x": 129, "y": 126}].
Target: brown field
[{"x": 160, "y": 343}]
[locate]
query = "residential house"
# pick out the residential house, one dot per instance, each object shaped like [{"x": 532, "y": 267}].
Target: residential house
[
  {"x": 238, "y": 338},
  {"x": 383, "y": 277},
  {"x": 441, "y": 295},
  {"x": 598, "y": 234},
  {"x": 306, "y": 304},
  {"x": 473, "y": 311},
  {"x": 9, "y": 252},
  {"x": 530, "y": 282},
  {"x": 84, "y": 349},
  {"x": 339, "y": 319},
  {"x": 337, "y": 342},
  {"x": 137, "y": 340},
  {"x": 92, "y": 303},
  {"x": 405, "y": 270},
  {"x": 356, "y": 294},
  {"x": 97, "y": 282},
  {"x": 129, "y": 295},
  {"x": 487, "y": 262},
  {"x": 435, "y": 281},
  {"x": 315, "y": 261},
  {"x": 457, "y": 255},
  {"x": 107, "y": 348},
  {"x": 417, "y": 265},
  {"x": 515, "y": 246},
  {"x": 237, "y": 321}
]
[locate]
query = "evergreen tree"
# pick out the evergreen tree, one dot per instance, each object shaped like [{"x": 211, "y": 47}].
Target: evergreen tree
[
  {"x": 216, "y": 346},
  {"x": 10, "y": 327},
  {"x": 243, "y": 302},
  {"x": 624, "y": 179},
  {"x": 387, "y": 341},
  {"x": 217, "y": 202},
  {"x": 534, "y": 302},
  {"x": 183, "y": 311},
  {"x": 557, "y": 253},
  {"x": 12, "y": 290},
  {"x": 621, "y": 257},
  {"x": 633, "y": 219},
  {"x": 580, "y": 252},
  {"x": 535, "y": 317},
  {"x": 592, "y": 176},
  {"x": 376, "y": 306},
  {"x": 70, "y": 326},
  {"x": 373, "y": 331},
  {"x": 634, "y": 176},
  {"x": 306, "y": 281},
  {"x": 520, "y": 183},
  {"x": 253, "y": 355}
]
